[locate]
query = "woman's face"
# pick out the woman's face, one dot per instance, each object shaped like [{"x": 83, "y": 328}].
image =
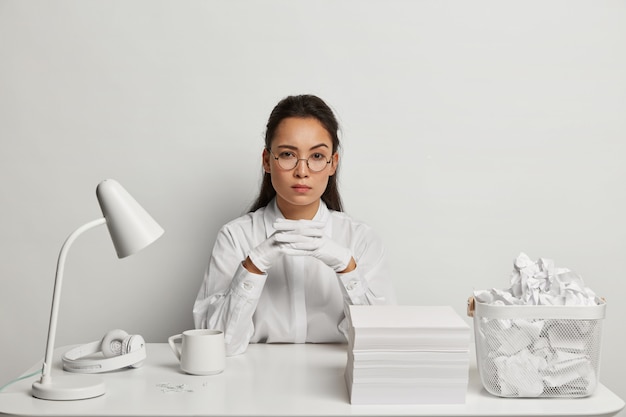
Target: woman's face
[{"x": 298, "y": 190}]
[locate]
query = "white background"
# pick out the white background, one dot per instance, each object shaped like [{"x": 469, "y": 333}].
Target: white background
[{"x": 472, "y": 131}]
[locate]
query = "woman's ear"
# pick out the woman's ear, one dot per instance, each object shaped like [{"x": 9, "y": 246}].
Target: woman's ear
[
  {"x": 333, "y": 165},
  {"x": 266, "y": 161}
]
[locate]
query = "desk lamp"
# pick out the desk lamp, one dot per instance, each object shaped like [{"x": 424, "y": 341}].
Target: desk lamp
[{"x": 131, "y": 229}]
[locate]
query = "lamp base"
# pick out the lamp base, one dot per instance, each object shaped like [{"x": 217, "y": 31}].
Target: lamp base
[{"x": 69, "y": 387}]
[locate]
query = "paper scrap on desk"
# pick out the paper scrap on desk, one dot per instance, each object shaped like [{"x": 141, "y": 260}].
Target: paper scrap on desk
[
  {"x": 530, "y": 355},
  {"x": 168, "y": 387}
]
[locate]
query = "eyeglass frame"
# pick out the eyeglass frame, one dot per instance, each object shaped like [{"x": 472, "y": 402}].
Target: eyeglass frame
[{"x": 276, "y": 158}]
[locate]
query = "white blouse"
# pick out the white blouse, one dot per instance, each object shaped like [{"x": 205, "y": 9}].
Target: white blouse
[{"x": 300, "y": 299}]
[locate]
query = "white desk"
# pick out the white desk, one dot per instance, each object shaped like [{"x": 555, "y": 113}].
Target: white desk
[{"x": 271, "y": 380}]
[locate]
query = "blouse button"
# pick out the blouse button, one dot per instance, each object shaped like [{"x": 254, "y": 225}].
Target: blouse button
[
  {"x": 352, "y": 284},
  {"x": 247, "y": 285}
]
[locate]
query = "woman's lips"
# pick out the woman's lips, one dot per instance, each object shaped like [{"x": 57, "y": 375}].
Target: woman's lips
[{"x": 301, "y": 188}]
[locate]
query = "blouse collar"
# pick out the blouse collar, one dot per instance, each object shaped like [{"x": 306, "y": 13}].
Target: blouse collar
[{"x": 272, "y": 213}]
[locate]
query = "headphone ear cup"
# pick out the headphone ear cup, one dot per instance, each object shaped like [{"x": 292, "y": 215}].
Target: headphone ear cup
[
  {"x": 112, "y": 343},
  {"x": 132, "y": 344}
]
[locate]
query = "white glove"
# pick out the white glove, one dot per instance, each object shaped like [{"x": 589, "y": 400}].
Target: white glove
[
  {"x": 307, "y": 238},
  {"x": 264, "y": 255}
]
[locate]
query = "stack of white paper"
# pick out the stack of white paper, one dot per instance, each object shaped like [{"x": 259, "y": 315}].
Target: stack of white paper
[{"x": 407, "y": 355}]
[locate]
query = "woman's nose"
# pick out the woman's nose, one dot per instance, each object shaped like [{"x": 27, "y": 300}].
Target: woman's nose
[{"x": 302, "y": 169}]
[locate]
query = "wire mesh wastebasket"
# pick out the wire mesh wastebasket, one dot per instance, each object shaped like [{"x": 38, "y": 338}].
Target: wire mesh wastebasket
[{"x": 538, "y": 351}]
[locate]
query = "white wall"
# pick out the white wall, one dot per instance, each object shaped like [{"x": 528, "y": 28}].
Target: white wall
[{"x": 472, "y": 131}]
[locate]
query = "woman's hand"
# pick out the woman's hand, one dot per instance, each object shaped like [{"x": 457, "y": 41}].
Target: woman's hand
[
  {"x": 307, "y": 238},
  {"x": 261, "y": 258},
  {"x": 299, "y": 238}
]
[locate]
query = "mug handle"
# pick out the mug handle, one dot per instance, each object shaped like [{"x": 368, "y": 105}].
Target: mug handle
[{"x": 172, "y": 341}]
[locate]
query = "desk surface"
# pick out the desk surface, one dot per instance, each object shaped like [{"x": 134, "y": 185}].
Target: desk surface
[{"x": 271, "y": 380}]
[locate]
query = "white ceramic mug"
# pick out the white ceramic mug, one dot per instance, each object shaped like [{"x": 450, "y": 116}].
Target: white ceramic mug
[{"x": 202, "y": 351}]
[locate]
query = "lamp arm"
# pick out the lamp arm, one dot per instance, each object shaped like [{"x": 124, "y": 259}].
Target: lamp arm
[{"x": 56, "y": 295}]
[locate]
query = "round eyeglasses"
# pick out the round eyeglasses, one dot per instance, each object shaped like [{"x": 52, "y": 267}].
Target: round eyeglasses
[{"x": 288, "y": 160}]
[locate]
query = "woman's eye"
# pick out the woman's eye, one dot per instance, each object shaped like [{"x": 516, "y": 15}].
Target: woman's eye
[
  {"x": 318, "y": 157},
  {"x": 286, "y": 155}
]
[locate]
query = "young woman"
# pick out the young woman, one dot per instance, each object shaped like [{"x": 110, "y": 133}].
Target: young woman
[{"x": 285, "y": 271}]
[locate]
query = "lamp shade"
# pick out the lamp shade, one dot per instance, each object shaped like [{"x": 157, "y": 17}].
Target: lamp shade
[{"x": 130, "y": 226}]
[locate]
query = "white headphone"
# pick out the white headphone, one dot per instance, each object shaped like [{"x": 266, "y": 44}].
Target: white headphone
[{"x": 120, "y": 350}]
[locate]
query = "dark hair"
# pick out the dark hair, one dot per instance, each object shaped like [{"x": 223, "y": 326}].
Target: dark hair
[{"x": 302, "y": 106}]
